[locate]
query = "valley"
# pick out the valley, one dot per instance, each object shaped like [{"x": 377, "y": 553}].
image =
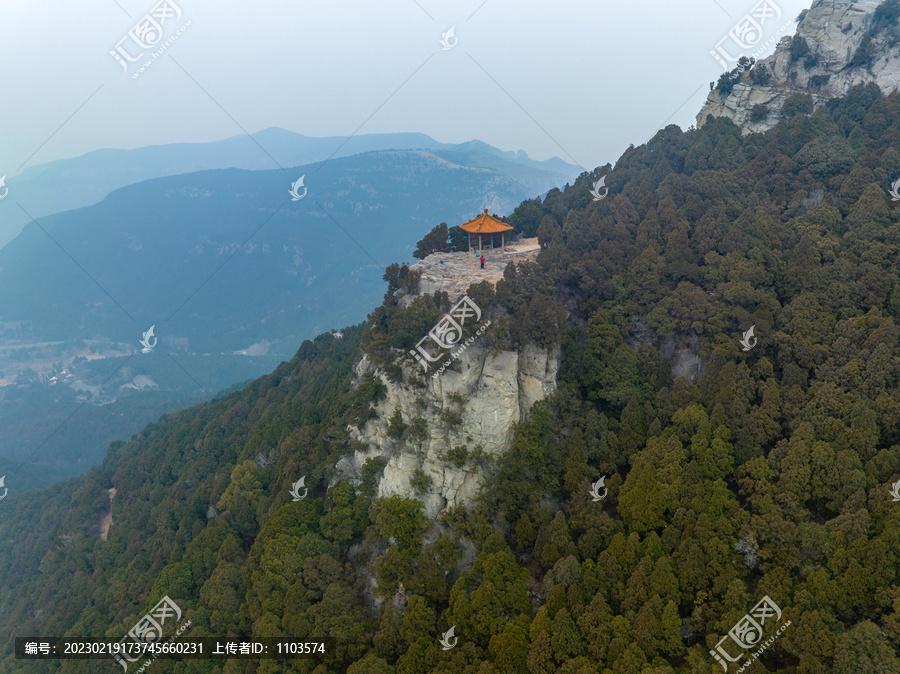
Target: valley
[{"x": 227, "y": 269}]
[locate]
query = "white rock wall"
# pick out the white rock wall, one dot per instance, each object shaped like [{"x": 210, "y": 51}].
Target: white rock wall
[
  {"x": 497, "y": 390},
  {"x": 833, "y": 29}
]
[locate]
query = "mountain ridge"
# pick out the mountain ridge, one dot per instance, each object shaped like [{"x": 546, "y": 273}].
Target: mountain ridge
[
  {"x": 102, "y": 236},
  {"x": 764, "y": 482},
  {"x": 67, "y": 184}
]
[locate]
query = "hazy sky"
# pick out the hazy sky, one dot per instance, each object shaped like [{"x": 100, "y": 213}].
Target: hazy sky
[{"x": 575, "y": 79}]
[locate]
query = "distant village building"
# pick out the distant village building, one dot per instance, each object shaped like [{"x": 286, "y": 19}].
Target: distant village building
[{"x": 484, "y": 226}]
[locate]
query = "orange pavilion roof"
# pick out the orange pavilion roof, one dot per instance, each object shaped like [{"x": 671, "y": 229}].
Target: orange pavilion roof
[{"x": 485, "y": 224}]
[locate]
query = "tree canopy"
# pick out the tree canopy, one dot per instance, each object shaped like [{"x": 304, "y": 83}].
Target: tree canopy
[{"x": 731, "y": 474}]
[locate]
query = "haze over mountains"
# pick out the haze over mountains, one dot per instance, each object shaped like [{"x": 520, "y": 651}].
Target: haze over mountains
[
  {"x": 228, "y": 269},
  {"x": 263, "y": 267},
  {"x": 67, "y": 184}
]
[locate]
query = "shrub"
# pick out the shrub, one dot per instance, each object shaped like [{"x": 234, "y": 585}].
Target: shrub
[
  {"x": 760, "y": 75},
  {"x": 452, "y": 418},
  {"x": 394, "y": 373},
  {"x": 727, "y": 81},
  {"x": 884, "y": 19},
  {"x": 417, "y": 429},
  {"x": 455, "y": 398},
  {"x": 865, "y": 53},
  {"x": 799, "y": 48},
  {"x": 797, "y": 104},
  {"x": 527, "y": 217},
  {"x": 759, "y": 112},
  {"x": 361, "y": 402},
  {"x": 478, "y": 455},
  {"x": 396, "y": 427},
  {"x": 457, "y": 455},
  {"x": 372, "y": 468},
  {"x": 435, "y": 240},
  {"x": 420, "y": 482},
  {"x": 442, "y": 239}
]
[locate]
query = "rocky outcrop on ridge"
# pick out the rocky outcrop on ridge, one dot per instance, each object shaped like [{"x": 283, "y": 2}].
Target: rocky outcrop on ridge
[
  {"x": 453, "y": 273},
  {"x": 473, "y": 405},
  {"x": 844, "y": 43}
]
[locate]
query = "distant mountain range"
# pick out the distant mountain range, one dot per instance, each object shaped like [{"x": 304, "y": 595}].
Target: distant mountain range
[
  {"x": 220, "y": 260},
  {"x": 82, "y": 181},
  {"x": 231, "y": 273}
]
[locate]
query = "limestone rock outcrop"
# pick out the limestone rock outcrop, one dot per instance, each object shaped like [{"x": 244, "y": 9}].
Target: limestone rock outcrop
[
  {"x": 453, "y": 273},
  {"x": 474, "y": 405},
  {"x": 846, "y": 46}
]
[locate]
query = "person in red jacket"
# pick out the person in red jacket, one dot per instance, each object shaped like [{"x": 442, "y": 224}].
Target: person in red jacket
[{"x": 482, "y": 261}]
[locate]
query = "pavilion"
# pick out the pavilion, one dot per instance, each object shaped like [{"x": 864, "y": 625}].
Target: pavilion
[{"x": 486, "y": 226}]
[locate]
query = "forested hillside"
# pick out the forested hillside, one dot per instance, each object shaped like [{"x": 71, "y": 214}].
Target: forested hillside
[{"x": 767, "y": 476}]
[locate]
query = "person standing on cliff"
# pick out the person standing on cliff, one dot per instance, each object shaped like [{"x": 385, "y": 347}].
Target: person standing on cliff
[{"x": 482, "y": 261}]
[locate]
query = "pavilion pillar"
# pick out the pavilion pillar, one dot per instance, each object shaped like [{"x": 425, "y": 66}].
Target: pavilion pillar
[
  {"x": 503, "y": 241},
  {"x": 479, "y": 243}
]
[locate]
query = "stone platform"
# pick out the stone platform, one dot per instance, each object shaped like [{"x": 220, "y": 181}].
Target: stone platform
[{"x": 453, "y": 273}]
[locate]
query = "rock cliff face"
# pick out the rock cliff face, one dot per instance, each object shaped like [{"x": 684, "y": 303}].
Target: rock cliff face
[
  {"x": 472, "y": 405},
  {"x": 848, "y": 42},
  {"x": 683, "y": 350}
]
